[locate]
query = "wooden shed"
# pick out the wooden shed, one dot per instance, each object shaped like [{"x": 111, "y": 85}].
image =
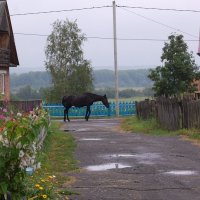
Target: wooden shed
[{"x": 8, "y": 53}]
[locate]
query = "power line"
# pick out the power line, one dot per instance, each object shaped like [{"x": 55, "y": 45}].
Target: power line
[
  {"x": 58, "y": 11},
  {"x": 160, "y": 9},
  {"x": 106, "y": 38},
  {"x": 31, "y": 34},
  {"x": 122, "y": 7},
  {"x": 160, "y": 23},
  {"x": 107, "y": 6}
]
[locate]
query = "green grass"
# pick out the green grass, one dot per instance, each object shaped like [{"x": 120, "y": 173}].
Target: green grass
[
  {"x": 191, "y": 133},
  {"x": 58, "y": 154},
  {"x": 129, "y": 99},
  {"x": 151, "y": 127},
  {"x": 57, "y": 158}
]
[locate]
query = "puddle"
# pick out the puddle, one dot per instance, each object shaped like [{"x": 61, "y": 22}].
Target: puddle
[
  {"x": 147, "y": 156},
  {"x": 83, "y": 129},
  {"x": 146, "y": 162},
  {"x": 181, "y": 172},
  {"x": 91, "y": 139},
  {"x": 119, "y": 155},
  {"x": 107, "y": 166},
  {"x": 139, "y": 156}
]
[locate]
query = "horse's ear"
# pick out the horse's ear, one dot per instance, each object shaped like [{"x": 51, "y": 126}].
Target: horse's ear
[{"x": 105, "y": 96}]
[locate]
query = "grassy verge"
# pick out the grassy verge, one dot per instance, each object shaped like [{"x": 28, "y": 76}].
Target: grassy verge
[
  {"x": 150, "y": 126},
  {"x": 57, "y": 158},
  {"x": 58, "y": 151}
]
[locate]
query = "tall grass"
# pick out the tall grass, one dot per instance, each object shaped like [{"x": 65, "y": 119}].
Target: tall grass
[
  {"x": 58, "y": 153},
  {"x": 149, "y": 126},
  {"x": 152, "y": 127}
]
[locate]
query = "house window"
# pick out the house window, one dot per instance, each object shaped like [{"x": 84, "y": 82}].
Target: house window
[{"x": 2, "y": 82}]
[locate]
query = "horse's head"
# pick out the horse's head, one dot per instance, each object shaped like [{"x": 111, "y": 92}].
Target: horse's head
[{"x": 105, "y": 101}]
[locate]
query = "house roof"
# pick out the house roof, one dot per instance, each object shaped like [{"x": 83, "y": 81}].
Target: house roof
[
  {"x": 6, "y": 27},
  {"x": 3, "y": 24}
]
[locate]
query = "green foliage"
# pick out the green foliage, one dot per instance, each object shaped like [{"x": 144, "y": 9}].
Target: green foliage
[
  {"x": 127, "y": 78},
  {"x": 26, "y": 93},
  {"x": 57, "y": 158},
  {"x": 58, "y": 151},
  {"x": 18, "y": 149},
  {"x": 41, "y": 89},
  {"x": 126, "y": 93},
  {"x": 71, "y": 73},
  {"x": 101, "y": 79},
  {"x": 41, "y": 185},
  {"x": 152, "y": 127},
  {"x": 149, "y": 126},
  {"x": 35, "y": 79},
  {"x": 179, "y": 70}
]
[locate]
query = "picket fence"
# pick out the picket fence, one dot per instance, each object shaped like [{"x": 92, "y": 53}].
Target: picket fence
[{"x": 97, "y": 109}]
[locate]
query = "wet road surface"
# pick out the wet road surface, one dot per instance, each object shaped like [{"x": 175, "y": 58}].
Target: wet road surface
[{"x": 124, "y": 166}]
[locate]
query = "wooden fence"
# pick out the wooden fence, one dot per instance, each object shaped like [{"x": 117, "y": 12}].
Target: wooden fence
[
  {"x": 20, "y": 106},
  {"x": 171, "y": 113},
  {"x": 145, "y": 109},
  {"x": 191, "y": 114}
]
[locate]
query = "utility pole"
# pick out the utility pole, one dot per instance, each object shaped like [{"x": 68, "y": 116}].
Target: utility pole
[
  {"x": 115, "y": 60},
  {"x": 198, "y": 53}
]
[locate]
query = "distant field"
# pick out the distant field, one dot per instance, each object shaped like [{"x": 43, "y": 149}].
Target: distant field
[
  {"x": 122, "y": 88},
  {"x": 129, "y": 99}
]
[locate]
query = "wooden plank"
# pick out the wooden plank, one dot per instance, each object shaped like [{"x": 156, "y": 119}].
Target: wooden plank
[{"x": 4, "y": 56}]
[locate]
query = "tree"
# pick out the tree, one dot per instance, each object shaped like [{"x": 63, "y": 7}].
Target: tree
[
  {"x": 71, "y": 73},
  {"x": 26, "y": 93},
  {"x": 179, "y": 71}
]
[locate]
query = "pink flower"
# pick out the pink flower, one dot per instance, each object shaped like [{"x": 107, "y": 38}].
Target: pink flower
[{"x": 2, "y": 117}]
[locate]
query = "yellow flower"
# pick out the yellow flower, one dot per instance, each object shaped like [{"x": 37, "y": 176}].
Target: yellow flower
[
  {"x": 44, "y": 196},
  {"x": 50, "y": 177},
  {"x": 41, "y": 188},
  {"x": 37, "y": 185},
  {"x": 42, "y": 180}
]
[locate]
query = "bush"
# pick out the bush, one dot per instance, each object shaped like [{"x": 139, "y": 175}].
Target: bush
[{"x": 20, "y": 136}]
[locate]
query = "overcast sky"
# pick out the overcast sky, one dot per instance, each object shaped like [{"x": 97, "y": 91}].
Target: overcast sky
[{"x": 131, "y": 23}]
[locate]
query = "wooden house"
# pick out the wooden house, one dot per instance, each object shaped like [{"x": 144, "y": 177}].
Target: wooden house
[{"x": 8, "y": 53}]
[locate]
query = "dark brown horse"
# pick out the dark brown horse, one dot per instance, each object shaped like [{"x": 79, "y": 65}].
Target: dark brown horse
[{"x": 87, "y": 99}]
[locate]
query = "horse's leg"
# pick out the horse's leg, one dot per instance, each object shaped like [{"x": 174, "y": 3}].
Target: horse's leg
[
  {"x": 67, "y": 114},
  {"x": 88, "y": 112}
]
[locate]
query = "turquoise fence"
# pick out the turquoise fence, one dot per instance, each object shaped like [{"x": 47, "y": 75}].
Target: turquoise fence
[{"x": 97, "y": 109}]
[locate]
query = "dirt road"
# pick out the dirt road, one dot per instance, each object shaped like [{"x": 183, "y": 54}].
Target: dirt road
[{"x": 125, "y": 166}]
